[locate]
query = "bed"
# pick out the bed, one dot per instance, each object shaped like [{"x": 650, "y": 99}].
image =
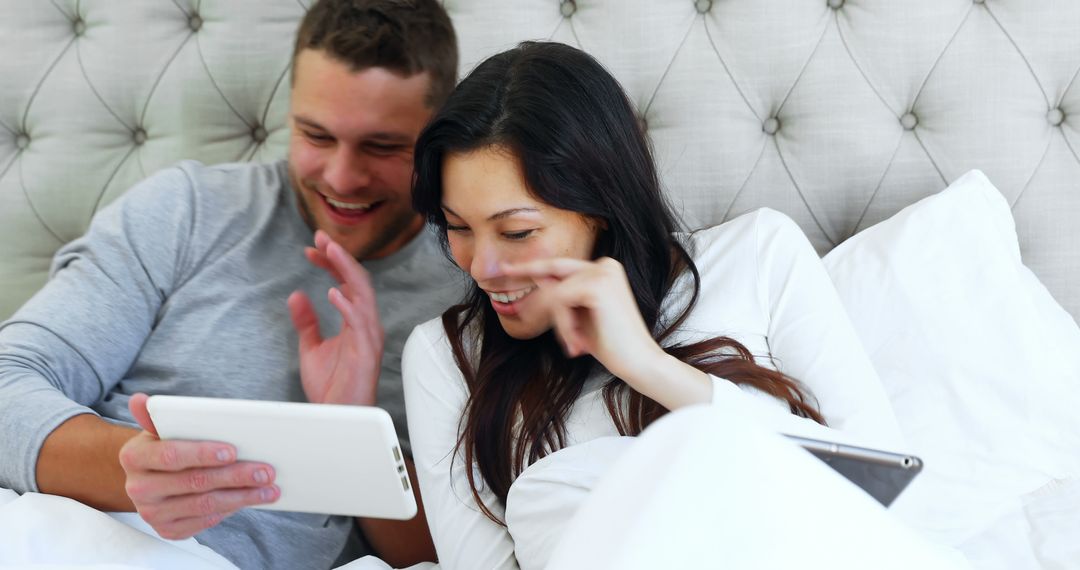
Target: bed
[{"x": 843, "y": 114}]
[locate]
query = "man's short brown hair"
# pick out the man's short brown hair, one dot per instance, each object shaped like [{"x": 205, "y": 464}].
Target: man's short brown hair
[{"x": 404, "y": 36}]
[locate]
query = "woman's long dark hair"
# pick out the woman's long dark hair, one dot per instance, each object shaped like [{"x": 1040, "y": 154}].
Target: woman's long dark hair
[{"x": 580, "y": 146}]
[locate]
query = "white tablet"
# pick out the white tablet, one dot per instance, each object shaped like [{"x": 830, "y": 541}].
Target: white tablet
[{"x": 339, "y": 460}]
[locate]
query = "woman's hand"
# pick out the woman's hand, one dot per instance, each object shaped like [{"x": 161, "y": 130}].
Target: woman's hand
[
  {"x": 594, "y": 310},
  {"x": 343, "y": 369},
  {"x": 595, "y": 313}
]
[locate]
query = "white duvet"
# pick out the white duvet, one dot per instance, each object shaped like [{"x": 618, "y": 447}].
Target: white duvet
[{"x": 45, "y": 531}]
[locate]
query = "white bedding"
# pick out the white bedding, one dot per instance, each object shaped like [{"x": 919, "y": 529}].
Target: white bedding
[{"x": 47, "y": 531}]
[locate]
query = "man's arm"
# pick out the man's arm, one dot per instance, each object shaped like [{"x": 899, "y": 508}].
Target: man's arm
[
  {"x": 94, "y": 445},
  {"x": 68, "y": 346},
  {"x": 402, "y": 543}
]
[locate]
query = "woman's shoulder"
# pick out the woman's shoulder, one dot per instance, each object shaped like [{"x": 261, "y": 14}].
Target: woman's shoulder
[
  {"x": 737, "y": 244},
  {"x": 426, "y": 340},
  {"x": 746, "y": 230},
  {"x": 731, "y": 259},
  {"x": 428, "y": 358}
]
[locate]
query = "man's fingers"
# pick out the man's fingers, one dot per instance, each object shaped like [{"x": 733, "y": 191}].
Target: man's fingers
[
  {"x": 304, "y": 319},
  {"x": 186, "y": 528},
  {"x": 153, "y": 487},
  {"x": 353, "y": 273},
  {"x": 183, "y": 517},
  {"x": 322, "y": 240},
  {"x": 319, "y": 259},
  {"x": 177, "y": 455},
  {"x": 349, "y": 311},
  {"x": 218, "y": 502},
  {"x": 137, "y": 406}
]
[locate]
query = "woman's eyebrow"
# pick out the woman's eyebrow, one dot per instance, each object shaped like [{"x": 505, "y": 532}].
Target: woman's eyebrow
[{"x": 498, "y": 215}]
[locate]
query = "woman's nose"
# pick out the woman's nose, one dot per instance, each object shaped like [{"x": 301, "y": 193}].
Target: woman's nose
[{"x": 485, "y": 263}]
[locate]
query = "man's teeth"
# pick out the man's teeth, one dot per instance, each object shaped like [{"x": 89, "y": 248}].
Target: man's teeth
[
  {"x": 511, "y": 297},
  {"x": 348, "y": 206}
]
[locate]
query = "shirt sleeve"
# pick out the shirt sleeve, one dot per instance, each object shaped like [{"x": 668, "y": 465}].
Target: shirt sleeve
[
  {"x": 811, "y": 338},
  {"x": 71, "y": 343},
  {"x": 435, "y": 395}
]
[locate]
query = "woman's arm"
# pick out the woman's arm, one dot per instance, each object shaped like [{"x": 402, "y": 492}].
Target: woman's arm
[
  {"x": 435, "y": 395},
  {"x": 810, "y": 335}
]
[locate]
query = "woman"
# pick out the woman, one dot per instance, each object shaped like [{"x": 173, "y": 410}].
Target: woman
[{"x": 590, "y": 316}]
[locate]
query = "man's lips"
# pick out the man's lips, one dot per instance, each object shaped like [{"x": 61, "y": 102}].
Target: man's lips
[{"x": 346, "y": 213}]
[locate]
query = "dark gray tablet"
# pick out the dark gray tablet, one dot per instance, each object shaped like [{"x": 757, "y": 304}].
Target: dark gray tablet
[{"x": 882, "y": 474}]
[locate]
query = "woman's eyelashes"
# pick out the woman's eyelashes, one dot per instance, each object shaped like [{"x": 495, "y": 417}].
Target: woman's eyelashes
[
  {"x": 518, "y": 235},
  {"x": 512, "y": 236}
]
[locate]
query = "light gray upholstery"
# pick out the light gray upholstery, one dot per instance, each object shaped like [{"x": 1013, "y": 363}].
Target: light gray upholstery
[{"x": 835, "y": 112}]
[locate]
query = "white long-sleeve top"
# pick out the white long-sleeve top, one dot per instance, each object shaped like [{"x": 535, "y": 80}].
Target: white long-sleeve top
[{"x": 761, "y": 284}]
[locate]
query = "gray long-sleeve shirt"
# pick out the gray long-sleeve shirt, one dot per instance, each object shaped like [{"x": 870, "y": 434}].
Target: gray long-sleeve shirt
[{"x": 179, "y": 287}]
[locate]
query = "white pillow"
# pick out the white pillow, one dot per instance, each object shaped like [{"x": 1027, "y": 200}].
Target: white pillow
[{"x": 982, "y": 366}]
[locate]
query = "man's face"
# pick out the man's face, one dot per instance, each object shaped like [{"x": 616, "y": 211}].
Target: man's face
[{"x": 351, "y": 151}]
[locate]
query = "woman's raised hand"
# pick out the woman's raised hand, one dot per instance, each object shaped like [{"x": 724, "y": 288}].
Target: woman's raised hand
[{"x": 594, "y": 312}]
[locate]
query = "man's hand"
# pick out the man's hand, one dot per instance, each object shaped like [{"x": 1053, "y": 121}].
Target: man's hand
[
  {"x": 343, "y": 369},
  {"x": 185, "y": 487}
]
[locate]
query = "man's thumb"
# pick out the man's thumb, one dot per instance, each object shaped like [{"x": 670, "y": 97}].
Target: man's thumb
[{"x": 137, "y": 405}]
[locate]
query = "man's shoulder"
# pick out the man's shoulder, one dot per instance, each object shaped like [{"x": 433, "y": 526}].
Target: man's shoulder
[
  {"x": 235, "y": 179},
  {"x": 219, "y": 185}
]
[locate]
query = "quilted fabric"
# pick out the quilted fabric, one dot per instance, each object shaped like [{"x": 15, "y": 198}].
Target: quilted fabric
[{"x": 836, "y": 112}]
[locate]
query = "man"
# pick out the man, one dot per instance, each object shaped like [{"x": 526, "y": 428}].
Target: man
[{"x": 180, "y": 287}]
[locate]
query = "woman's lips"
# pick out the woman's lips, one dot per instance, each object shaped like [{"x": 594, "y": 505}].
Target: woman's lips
[{"x": 507, "y": 303}]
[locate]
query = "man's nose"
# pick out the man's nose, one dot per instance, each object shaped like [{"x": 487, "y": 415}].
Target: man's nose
[{"x": 347, "y": 172}]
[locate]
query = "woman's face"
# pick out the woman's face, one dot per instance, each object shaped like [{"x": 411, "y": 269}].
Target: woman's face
[{"x": 492, "y": 219}]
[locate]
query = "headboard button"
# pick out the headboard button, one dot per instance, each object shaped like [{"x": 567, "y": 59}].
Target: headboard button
[
  {"x": 771, "y": 125},
  {"x": 703, "y": 6},
  {"x": 909, "y": 121},
  {"x": 259, "y": 134},
  {"x": 1055, "y": 116},
  {"x": 567, "y": 8}
]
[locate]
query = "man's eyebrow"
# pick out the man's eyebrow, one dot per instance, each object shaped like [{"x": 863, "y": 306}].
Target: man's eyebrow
[
  {"x": 399, "y": 138},
  {"x": 380, "y": 136},
  {"x": 499, "y": 215},
  {"x": 308, "y": 123}
]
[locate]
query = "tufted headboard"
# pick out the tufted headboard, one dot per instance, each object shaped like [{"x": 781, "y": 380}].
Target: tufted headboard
[{"x": 836, "y": 112}]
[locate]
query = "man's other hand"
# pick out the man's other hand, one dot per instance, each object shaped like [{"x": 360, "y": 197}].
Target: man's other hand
[
  {"x": 343, "y": 369},
  {"x": 185, "y": 487}
]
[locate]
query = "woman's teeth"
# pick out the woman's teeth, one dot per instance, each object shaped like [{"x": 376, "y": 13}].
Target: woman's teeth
[
  {"x": 512, "y": 296},
  {"x": 347, "y": 205}
]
